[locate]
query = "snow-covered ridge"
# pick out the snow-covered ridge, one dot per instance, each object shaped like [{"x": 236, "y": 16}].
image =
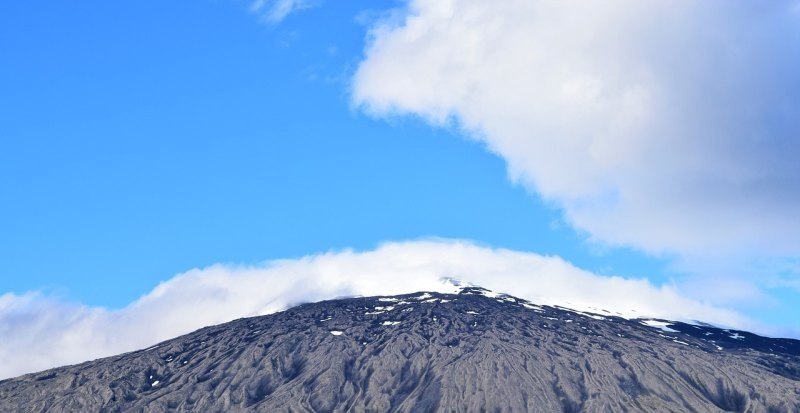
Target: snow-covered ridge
[
  {"x": 450, "y": 285},
  {"x": 386, "y": 308}
]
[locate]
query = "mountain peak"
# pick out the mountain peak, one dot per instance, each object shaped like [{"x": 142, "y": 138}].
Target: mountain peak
[{"x": 469, "y": 349}]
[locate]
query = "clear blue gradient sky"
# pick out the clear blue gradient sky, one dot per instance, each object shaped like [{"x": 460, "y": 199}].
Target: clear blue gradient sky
[{"x": 142, "y": 139}]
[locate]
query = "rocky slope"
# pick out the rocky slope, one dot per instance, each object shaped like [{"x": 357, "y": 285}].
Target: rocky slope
[{"x": 471, "y": 351}]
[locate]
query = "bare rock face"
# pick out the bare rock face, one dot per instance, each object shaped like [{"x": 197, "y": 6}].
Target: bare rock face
[{"x": 466, "y": 352}]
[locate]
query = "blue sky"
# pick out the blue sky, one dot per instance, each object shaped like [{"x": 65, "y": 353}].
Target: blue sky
[
  {"x": 144, "y": 139},
  {"x": 160, "y": 158}
]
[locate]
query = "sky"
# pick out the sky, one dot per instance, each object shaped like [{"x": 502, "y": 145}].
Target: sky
[{"x": 245, "y": 156}]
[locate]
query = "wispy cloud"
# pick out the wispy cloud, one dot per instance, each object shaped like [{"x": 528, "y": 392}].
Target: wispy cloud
[
  {"x": 41, "y": 332},
  {"x": 274, "y": 11}
]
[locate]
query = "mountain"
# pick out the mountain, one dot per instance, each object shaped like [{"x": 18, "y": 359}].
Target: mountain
[{"x": 470, "y": 351}]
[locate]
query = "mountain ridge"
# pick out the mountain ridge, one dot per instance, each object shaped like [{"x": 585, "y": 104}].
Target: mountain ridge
[{"x": 469, "y": 350}]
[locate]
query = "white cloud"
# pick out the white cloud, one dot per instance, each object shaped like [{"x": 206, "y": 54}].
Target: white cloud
[
  {"x": 274, "y": 11},
  {"x": 669, "y": 126},
  {"x": 41, "y": 332}
]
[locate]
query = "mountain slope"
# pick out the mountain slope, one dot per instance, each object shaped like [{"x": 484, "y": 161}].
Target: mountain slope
[{"x": 470, "y": 351}]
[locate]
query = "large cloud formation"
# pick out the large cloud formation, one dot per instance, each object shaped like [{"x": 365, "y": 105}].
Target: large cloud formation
[
  {"x": 41, "y": 332},
  {"x": 669, "y": 126}
]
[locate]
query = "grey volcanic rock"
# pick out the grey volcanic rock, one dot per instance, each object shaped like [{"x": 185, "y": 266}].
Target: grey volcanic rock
[{"x": 469, "y": 352}]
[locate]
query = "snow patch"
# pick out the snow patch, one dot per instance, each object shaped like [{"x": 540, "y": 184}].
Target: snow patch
[
  {"x": 661, "y": 325},
  {"x": 531, "y": 306},
  {"x": 585, "y": 314},
  {"x": 490, "y": 294}
]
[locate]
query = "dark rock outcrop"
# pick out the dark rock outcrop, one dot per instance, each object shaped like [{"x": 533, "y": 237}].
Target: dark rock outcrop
[{"x": 465, "y": 352}]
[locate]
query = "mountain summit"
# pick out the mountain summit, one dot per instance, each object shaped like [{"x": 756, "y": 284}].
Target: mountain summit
[{"x": 472, "y": 350}]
